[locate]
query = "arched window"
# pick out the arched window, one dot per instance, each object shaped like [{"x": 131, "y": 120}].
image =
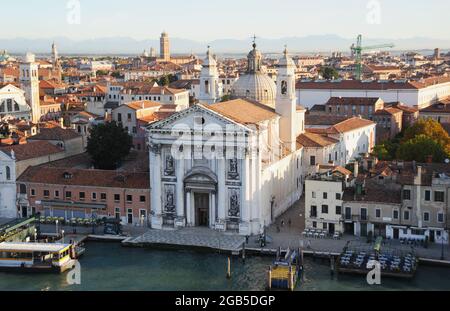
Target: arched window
[{"x": 8, "y": 173}]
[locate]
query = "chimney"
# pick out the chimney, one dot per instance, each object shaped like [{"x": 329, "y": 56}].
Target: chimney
[
  {"x": 356, "y": 169},
  {"x": 61, "y": 122},
  {"x": 418, "y": 176}
]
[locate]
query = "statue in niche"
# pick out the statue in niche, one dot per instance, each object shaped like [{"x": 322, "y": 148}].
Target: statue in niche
[
  {"x": 284, "y": 87},
  {"x": 170, "y": 200},
  {"x": 233, "y": 170},
  {"x": 170, "y": 166},
  {"x": 234, "y": 204}
]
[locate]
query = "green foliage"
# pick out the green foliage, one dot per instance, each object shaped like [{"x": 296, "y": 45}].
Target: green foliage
[
  {"x": 419, "y": 148},
  {"x": 225, "y": 98},
  {"x": 329, "y": 73},
  {"x": 108, "y": 145},
  {"x": 430, "y": 128},
  {"x": 166, "y": 80},
  {"x": 101, "y": 73},
  {"x": 117, "y": 75}
]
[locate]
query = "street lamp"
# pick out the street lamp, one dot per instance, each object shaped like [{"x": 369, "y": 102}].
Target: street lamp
[
  {"x": 62, "y": 233},
  {"x": 57, "y": 227},
  {"x": 442, "y": 245}
]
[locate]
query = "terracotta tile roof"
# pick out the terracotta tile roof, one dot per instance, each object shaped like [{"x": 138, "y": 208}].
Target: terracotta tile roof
[
  {"x": 352, "y": 124},
  {"x": 441, "y": 107},
  {"x": 375, "y": 192},
  {"x": 143, "y": 104},
  {"x": 33, "y": 149},
  {"x": 83, "y": 177},
  {"x": 373, "y": 85},
  {"x": 55, "y": 133},
  {"x": 323, "y": 120},
  {"x": 243, "y": 111},
  {"x": 141, "y": 88},
  {"x": 404, "y": 108},
  {"x": 312, "y": 140},
  {"x": 388, "y": 111},
  {"x": 359, "y": 101}
]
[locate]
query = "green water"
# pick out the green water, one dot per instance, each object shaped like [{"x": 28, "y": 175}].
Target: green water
[{"x": 108, "y": 266}]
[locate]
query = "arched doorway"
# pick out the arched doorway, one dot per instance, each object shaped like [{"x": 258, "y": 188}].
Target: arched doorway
[{"x": 200, "y": 186}]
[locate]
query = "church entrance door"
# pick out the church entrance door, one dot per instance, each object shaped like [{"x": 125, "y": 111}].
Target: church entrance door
[{"x": 202, "y": 209}]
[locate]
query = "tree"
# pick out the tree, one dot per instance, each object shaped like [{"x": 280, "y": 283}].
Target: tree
[
  {"x": 329, "y": 73},
  {"x": 225, "y": 98},
  {"x": 108, "y": 145},
  {"x": 419, "y": 148},
  {"x": 101, "y": 73},
  {"x": 381, "y": 152},
  {"x": 164, "y": 81},
  {"x": 430, "y": 128}
]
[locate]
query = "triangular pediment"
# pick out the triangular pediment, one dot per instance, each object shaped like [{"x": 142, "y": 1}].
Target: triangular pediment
[
  {"x": 11, "y": 89},
  {"x": 197, "y": 116}
]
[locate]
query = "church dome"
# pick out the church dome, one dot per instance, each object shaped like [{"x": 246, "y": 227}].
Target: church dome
[{"x": 255, "y": 84}]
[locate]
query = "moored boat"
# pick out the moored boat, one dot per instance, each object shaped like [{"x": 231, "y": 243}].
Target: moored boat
[{"x": 37, "y": 257}]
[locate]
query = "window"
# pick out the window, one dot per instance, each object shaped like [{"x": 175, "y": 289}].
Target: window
[
  {"x": 94, "y": 196},
  {"x": 68, "y": 194},
  {"x": 46, "y": 193},
  {"x": 129, "y": 117},
  {"x": 348, "y": 213},
  {"x": 8, "y": 173},
  {"x": 364, "y": 214},
  {"x": 338, "y": 196},
  {"x": 406, "y": 194},
  {"x": 314, "y": 224},
  {"x": 129, "y": 198},
  {"x": 325, "y": 226},
  {"x": 142, "y": 198},
  {"x": 23, "y": 189},
  {"x": 395, "y": 214},
  {"x": 312, "y": 160},
  {"x": 119, "y": 117},
  {"x": 324, "y": 209},
  {"x": 438, "y": 196},
  {"x": 117, "y": 197},
  {"x": 117, "y": 213},
  {"x": 134, "y": 130},
  {"x": 427, "y": 195},
  {"x": 440, "y": 217},
  {"x": 313, "y": 212},
  {"x": 325, "y": 195},
  {"x": 313, "y": 195},
  {"x": 82, "y": 196},
  {"x": 406, "y": 215},
  {"x": 338, "y": 210},
  {"x": 426, "y": 216},
  {"x": 33, "y": 192},
  {"x": 103, "y": 196},
  {"x": 378, "y": 213},
  {"x": 56, "y": 193}
]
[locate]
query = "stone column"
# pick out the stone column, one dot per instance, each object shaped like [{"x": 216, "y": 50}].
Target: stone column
[
  {"x": 246, "y": 190},
  {"x": 221, "y": 195},
  {"x": 155, "y": 179},
  {"x": 213, "y": 209},
  {"x": 181, "y": 219},
  {"x": 188, "y": 207}
]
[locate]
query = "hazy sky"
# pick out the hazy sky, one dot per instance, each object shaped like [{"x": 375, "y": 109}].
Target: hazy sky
[{"x": 212, "y": 19}]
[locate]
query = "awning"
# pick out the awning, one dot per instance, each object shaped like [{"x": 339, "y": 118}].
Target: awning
[{"x": 49, "y": 203}]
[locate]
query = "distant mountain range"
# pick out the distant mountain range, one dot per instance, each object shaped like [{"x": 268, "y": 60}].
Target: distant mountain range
[{"x": 127, "y": 45}]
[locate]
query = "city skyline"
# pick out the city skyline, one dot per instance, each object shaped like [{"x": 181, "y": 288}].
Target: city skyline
[{"x": 376, "y": 19}]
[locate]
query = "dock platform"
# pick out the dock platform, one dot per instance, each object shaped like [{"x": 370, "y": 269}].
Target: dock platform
[{"x": 189, "y": 238}]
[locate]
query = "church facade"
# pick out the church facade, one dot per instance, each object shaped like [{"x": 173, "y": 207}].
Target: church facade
[{"x": 230, "y": 166}]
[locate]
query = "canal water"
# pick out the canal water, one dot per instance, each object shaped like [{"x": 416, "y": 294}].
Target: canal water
[{"x": 108, "y": 266}]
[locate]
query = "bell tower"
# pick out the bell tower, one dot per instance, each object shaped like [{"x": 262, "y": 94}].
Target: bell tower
[
  {"x": 29, "y": 82},
  {"x": 286, "y": 101},
  {"x": 210, "y": 87}
]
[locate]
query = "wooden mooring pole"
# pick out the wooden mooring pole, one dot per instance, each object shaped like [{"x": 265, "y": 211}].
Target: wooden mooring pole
[{"x": 229, "y": 268}]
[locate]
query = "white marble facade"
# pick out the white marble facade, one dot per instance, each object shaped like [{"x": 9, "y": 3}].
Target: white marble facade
[{"x": 231, "y": 186}]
